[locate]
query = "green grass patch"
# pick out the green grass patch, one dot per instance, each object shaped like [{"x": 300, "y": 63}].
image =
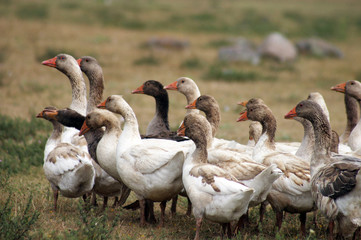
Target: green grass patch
[
  {"x": 192, "y": 63},
  {"x": 148, "y": 60},
  {"x": 32, "y": 11},
  {"x": 16, "y": 225},
  {"x": 228, "y": 74},
  {"x": 22, "y": 143}
]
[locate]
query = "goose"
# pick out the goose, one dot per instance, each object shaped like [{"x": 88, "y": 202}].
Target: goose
[
  {"x": 290, "y": 147},
  {"x": 190, "y": 90},
  {"x": 352, "y": 115},
  {"x": 152, "y": 168},
  {"x": 292, "y": 191},
  {"x": 351, "y": 89},
  {"x": 159, "y": 125},
  {"x": 235, "y": 160},
  {"x": 104, "y": 185},
  {"x": 69, "y": 66},
  {"x": 335, "y": 180},
  {"x": 67, "y": 167},
  {"x": 216, "y": 194}
]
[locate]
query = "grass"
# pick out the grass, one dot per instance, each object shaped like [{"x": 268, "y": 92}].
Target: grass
[{"x": 112, "y": 31}]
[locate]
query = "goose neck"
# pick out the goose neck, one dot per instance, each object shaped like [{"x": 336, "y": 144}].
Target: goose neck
[
  {"x": 162, "y": 108},
  {"x": 96, "y": 88},
  {"x": 78, "y": 91}
]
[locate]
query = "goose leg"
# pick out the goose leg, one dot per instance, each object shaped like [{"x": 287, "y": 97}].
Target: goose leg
[
  {"x": 331, "y": 226},
  {"x": 262, "y": 210},
  {"x": 173, "y": 208},
  {"x": 142, "y": 212},
  {"x": 303, "y": 223},
  {"x": 94, "y": 199},
  {"x": 279, "y": 219},
  {"x": 150, "y": 211},
  {"x": 189, "y": 208},
  {"x": 163, "y": 204},
  {"x": 198, "y": 228},
  {"x": 56, "y": 195},
  {"x": 105, "y": 202},
  {"x": 115, "y": 202}
]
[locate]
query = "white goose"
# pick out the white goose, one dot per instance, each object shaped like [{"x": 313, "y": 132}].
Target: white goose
[
  {"x": 69, "y": 66},
  {"x": 336, "y": 180},
  {"x": 152, "y": 168},
  {"x": 216, "y": 194},
  {"x": 68, "y": 168},
  {"x": 292, "y": 191},
  {"x": 191, "y": 91}
]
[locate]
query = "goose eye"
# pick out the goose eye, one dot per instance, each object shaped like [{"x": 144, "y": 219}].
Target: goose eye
[
  {"x": 61, "y": 57},
  {"x": 87, "y": 60},
  {"x": 301, "y": 105},
  {"x": 182, "y": 81},
  {"x": 352, "y": 83}
]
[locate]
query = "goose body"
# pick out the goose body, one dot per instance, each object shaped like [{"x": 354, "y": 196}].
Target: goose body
[
  {"x": 152, "y": 168},
  {"x": 336, "y": 185},
  {"x": 67, "y": 167},
  {"x": 292, "y": 191},
  {"x": 215, "y": 193}
]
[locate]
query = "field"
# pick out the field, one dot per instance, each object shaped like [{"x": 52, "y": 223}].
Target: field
[{"x": 116, "y": 33}]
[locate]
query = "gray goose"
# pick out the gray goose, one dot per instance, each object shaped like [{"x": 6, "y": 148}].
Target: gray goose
[{"x": 335, "y": 180}]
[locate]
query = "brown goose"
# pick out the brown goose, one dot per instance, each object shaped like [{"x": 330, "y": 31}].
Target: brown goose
[
  {"x": 352, "y": 115},
  {"x": 292, "y": 191},
  {"x": 352, "y": 89},
  {"x": 335, "y": 180}
]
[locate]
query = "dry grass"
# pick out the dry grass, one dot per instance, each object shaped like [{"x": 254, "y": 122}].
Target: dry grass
[{"x": 26, "y": 86}]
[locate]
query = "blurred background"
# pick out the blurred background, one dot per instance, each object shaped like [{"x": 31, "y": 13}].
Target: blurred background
[{"x": 278, "y": 50}]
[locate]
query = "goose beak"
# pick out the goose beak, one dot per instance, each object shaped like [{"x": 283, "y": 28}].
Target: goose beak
[
  {"x": 291, "y": 114},
  {"x": 243, "y": 117},
  {"x": 139, "y": 90},
  {"x": 84, "y": 129},
  {"x": 172, "y": 86},
  {"x": 244, "y": 103},
  {"x": 181, "y": 130},
  {"x": 339, "y": 88},
  {"x": 192, "y": 105},
  {"x": 50, "y": 62},
  {"x": 102, "y": 105},
  {"x": 79, "y": 61},
  {"x": 40, "y": 115},
  {"x": 50, "y": 114}
]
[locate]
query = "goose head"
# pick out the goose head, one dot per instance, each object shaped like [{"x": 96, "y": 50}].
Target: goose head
[
  {"x": 89, "y": 65},
  {"x": 63, "y": 62},
  {"x": 151, "y": 88},
  {"x": 99, "y": 118},
  {"x": 197, "y": 128},
  {"x": 184, "y": 85},
  {"x": 48, "y": 113},
  {"x": 204, "y": 103}
]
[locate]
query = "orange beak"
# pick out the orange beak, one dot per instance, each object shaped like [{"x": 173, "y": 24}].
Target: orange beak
[
  {"x": 291, "y": 114},
  {"x": 51, "y": 114},
  {"x": 84, "y": 129},
  {"x": 50, "y": 62},
  {"x": 243, "y": 117},
  {"x": 244, "y": 103},
  {"x": 181, "y": 130},
  {"x": 172, "y": 86},
  {"x": 339, "y": 88},
  {"x": 79, "y": 61},
  {"x": 192, "y": 105},
  {"x": 40, "y": 115},
  {"x": 102, "y": 105},
  {"x": 139, "y": 90}
]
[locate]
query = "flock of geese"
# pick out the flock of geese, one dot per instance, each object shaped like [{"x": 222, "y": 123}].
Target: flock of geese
[{"x": 96, "y": 147}]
